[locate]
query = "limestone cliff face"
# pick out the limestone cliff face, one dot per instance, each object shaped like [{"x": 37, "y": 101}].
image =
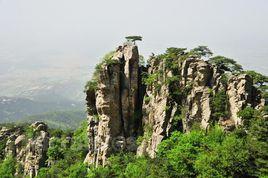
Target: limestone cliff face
[
  {"x": 241, "y": 93},
  {"x": 127, "y": 115},
  {"x": 30, "y": 153},
  {"x": 198, "y": 78},
  {"x": 204, "y": 80},
  {"x": 112, "y": 116},
  {"x": 36, "y": 149}
]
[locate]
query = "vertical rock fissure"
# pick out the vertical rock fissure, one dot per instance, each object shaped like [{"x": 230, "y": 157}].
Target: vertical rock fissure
[{"x": 121, "y": 88}]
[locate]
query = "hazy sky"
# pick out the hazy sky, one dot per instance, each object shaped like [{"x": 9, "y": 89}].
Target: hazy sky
[{"x": 81, "y": 31}]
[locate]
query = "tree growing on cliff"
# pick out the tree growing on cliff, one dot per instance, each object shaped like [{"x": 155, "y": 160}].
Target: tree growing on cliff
[
  {"x": 258, "y": 78},
  {"x": 133, "y": 38},
  {"x": 226, "y": 64},
  {"x": 201, "y": 51}
]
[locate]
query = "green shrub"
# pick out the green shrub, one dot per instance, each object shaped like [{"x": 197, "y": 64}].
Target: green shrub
[
  {"x": 8, "y": 168},
  {"x": 258, "y": 145},
  {"x": 29, "y": 132},
  {"x": 258, "y": 78},
  {"x": 219, "y": 105},
  {"x": 247, "y": 114},
  {"x": 56, "y": 150},
  {"x": 107, "y": 60},
  {"x": 228, "y": 159},
  {"x": 226, "y": 64},
  {"x": 77, "y": 170},
  {"x": 2, "y": 148},
  {"x": 150, "y": 79},
  {"x": 91, "y": 85},
  {"x": 147, "y": 99}
]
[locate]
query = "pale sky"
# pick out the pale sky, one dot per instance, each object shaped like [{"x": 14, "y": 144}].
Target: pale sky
[{"x": 39, "y": 31}]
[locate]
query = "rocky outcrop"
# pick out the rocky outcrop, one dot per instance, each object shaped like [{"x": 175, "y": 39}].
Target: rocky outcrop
[
  {"x": 29, "y": 151},
  {"x": 113, "y": 111},
  {"x": 158, "y": 109},
  {"x": 203, "y": 80},
  {"x": 242, "y": 93},
  {"x": 198, "y": 79},
  {"x": 126, "y": 115},
  {"x": 36, "y": 149}
]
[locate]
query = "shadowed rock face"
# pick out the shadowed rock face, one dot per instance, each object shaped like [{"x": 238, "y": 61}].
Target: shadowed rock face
[{"x": 121, "y": 108}]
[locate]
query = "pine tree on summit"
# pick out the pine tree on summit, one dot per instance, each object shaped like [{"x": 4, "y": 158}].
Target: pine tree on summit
[{"x": 133, "y": 39}]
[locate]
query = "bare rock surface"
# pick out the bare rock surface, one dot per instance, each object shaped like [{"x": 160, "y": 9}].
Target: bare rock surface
[
  {"x": 122, "y": 110},
  {"x": 116, "y": 103},
  {"x": 30, "y": 153}
]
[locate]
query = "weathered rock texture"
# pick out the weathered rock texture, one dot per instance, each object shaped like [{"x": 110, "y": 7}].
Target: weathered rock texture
[
  {"x": 202, "y": 79},
  {"x": 30, "y": 153},
  {"x": 121, "y": 109},
  {"x": 241, "y": 93},
  {"x": 113, "y": 106},
  {"x": 36, "y": 149}
]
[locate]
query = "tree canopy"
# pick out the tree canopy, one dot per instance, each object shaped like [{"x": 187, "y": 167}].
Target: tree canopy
[
  {"x": 226, "y": 64},
  {"x": 201, "y": 51},
  {"x": 258, "y": 78},
  {"x": 134, "y": 38}
]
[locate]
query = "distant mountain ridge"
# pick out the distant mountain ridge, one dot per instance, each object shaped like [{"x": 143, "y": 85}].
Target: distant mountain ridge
[
  {"x": 43, "y": 90},
  {"x": 14, "y": 109}
]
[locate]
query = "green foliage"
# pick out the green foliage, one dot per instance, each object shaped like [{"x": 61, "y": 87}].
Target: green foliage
[
  {"x": 29, "y": 131},
  {"x": 258, "y": 78},
  {"x": 181, "y": 150},
  {"x": 172, "y": 80},
  {"x": 128, "y": 165},
  {"x": 226, "y": 64},
  {"x": 142, "y": 61},
  {"x": 133, "y": 38},
  {"x": 148, "y": 131},
  {"x": 65, "y": 120},
  {"x": 138, "y": 168},
  {"x": 257, "y": 142},
  {"x": 224, "y": 79},
  {"x": 201, "y": 51},
  {"x": 150, "y": 79},
  {"x": 147, "y": 99},
  {"x": 173, "y": 57},
  {"x": 56, "y": 150},
  {"x": 173, "y": 53},
  {"x": 99, "y": 172},
  {"x": 228, "y": 159},
  {"x": 107, "y": 60},
  {"x": 79, "y": 147},
  {"x": 219, "y": 105},
  {"x": 8, "y": 168},
  {"x": 2, "y": 148},
  {"x": 77, "y": 170},
  {"x": 211, "y": 153},
  {"x": 247, "y": 114},
  {"x": 67, "y": 161},
  {"x": 91, "y": 85}
]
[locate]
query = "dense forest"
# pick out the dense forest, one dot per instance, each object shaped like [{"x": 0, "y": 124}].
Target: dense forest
[{"x": 242, "y": 153}]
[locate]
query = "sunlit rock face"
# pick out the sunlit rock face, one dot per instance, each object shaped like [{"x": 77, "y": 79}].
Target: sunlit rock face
[
  {"x": 36, "y": 149},
  {"x": 124, "y": 114},
  {"x": 115, "y": 103},
  {"x": 30, "y": 153},
  {"x": 242, "y": 93}
]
